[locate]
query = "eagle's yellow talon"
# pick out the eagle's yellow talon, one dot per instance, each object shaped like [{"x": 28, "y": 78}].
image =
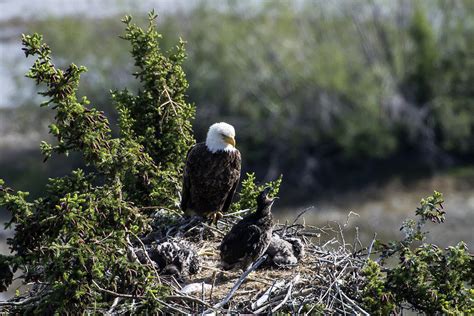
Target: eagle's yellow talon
[{"x": 214, "y": 217}]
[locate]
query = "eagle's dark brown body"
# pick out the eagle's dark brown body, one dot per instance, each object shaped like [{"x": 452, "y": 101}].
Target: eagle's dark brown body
[
  {"x": 210, "y": 180},
  {"x": 249, "y": 238}
]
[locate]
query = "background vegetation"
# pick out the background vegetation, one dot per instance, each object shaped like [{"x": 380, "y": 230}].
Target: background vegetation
[{"x": 319, "y": 92}]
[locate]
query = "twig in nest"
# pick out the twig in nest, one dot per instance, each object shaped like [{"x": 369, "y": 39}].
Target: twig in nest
[
  {"x": 188, "y": 298},
  {"x": 19, "y": 303},
  {"x": 285, "y": 298},
  {"x": 260, "y": 280},
  {"x": 371, "y": 245},
  {"x": 115, "y": 293},
  {"x": 145, "y": 252},
  {"x": 360, "y": 309},
  {"x": 240, "y": 281},
  {"x": 263, "y": 299},
  {"x": 301, "y": 213},
  {"x": 356, "y": 242},
  {"x": 238, "y": 212},
  {"x": 173, "y": 307},
  {"x": 114, "y": 304},
  {"x": 214, "y": 276},
  {"x": 213, "y": 229},
  {"x": 349, "y": 217}
]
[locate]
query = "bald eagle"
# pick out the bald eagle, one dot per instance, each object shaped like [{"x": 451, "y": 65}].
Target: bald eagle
[
  {"x": 211, "y": 174},
  {"x": 249, "y": 238}
]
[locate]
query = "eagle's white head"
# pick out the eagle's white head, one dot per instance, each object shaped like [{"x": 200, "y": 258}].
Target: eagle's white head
[{"x": 221, "y": 136}]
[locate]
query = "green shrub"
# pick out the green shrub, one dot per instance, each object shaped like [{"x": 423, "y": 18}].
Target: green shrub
[
  {"x": 250, "y": 190},
  {"x": 375, "y": 296},
  {"x": 427, "y": 278},
  {"x": 76, "y": 240}
]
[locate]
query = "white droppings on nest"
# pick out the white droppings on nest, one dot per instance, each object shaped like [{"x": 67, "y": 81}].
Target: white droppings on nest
[{"x": 193, "y": 288}]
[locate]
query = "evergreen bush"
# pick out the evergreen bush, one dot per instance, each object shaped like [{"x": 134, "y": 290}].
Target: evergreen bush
[{"x": 74, "y": 242}]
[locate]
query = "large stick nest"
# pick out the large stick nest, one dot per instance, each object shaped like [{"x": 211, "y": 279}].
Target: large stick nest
[{"x": 326, "y": 279}]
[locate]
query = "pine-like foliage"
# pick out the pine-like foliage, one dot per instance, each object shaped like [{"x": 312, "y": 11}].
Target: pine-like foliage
[
  {"x": 158, "y": 117},
  {"x": 75, "y": 241},
  {"x": 250, "y": 190}
]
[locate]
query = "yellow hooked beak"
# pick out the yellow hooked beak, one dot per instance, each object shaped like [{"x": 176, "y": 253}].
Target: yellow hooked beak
[{"x": 229, "y": 140}]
